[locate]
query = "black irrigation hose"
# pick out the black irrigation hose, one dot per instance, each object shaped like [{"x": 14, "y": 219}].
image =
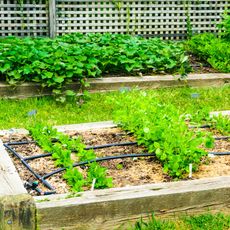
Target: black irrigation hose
[
  {"x": 200, "y": 126},
  {"x": 34, "y": 187},
  {"x": 87, "y": 148},
  {"x": 37, "y": 156},
  {"x": 219, "y": 153},
  {"x": 29, "y": 168},
  {"x": 42, "y": 179},
  {"x": 20, "y": 143},
  {"x": 117, "y": 157},
  {"x": 99, "y": 160},
  {"x": 110, "y": 145},
  {"x": 222, "y": 138}
]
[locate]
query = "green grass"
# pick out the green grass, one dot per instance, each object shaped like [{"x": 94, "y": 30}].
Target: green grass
[
  {"x": 13, "y": 113},
  {"x": 199, "y": 222}
]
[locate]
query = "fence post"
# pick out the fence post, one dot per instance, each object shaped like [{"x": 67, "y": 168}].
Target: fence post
[{"x": 52, "y": 19}]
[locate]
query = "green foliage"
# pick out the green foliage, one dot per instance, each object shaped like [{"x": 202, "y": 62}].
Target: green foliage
[
  {"x": 222, "y": 124},
  {"x": 224, "y": 26},
  {"x": 61, "y": 147},
  {"x": 154, "y": 224},
  {"x": 212, "y": 49},
  {"x": 206, "y": 221},
  {"x": 75, "y": 57},
  {"x": 161, "y": 129},
  {"x": 99, "y": 108}
]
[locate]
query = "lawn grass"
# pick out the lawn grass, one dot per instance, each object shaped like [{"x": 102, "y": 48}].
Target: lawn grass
[
  {"x": 14, "y": 113},
  {"x": 199, "y": 222}
]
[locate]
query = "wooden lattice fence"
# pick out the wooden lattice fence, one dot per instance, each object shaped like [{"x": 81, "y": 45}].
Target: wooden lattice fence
[
  {"x": 170, "y": 19},
  {"x": 29, "y": 18}
]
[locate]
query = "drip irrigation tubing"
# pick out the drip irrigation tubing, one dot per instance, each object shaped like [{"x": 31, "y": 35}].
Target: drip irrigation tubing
[
  {"x": 37, "y": 156},
  {"x": 29, "y": 168},
  {"x": 116, "y": 157},
  {"x": 219, "y": 153},
  {"x": 222, "y": 138},
  {"x": 42, "y": 178},
  {"x": 31, "y": 186},
  {"x": 99, "y": 160},
  {"x": 200, "y": 126},
  {"x": 110, "y": 145},
  {"x": 21, "y": 142},
  {"x": 86, "y": 148}
]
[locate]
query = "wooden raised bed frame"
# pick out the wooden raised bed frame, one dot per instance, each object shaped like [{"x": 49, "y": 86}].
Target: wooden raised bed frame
[
  {"x": 108, "y": 208},
  {"x": 115, "y": 83}
]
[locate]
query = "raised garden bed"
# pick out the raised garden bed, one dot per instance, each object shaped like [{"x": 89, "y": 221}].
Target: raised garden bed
[
  {"x": 109, "y": 208},
  {"x": 125, "y": 172}
]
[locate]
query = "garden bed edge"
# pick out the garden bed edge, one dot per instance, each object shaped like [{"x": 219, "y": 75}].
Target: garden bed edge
[{"x": 105, "y": 84}]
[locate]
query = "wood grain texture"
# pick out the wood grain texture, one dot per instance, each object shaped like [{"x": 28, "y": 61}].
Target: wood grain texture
[
  {"x": 115, "y": 83},
  {"x": 166, "y": 19},
  {"x": 17, "y": 208},
  {"x": 10, "y": 182},
  {"x": 52, "y": 18},
  {"x": 110, "y": 208},
  {"x": 17, "y": 212},
  {"x": 30, "y": 18}
]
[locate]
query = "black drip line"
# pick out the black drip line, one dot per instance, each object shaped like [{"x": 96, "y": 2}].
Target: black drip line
[
  {"x": 86, "y": 148},
  {"x": 99, "y": 160},
  {"x": 36, "y": 175},
  {"x": 43, "y": 178}
]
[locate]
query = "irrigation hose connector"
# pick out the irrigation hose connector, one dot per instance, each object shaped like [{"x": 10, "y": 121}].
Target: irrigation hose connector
[{"x": 211, "y": 155}]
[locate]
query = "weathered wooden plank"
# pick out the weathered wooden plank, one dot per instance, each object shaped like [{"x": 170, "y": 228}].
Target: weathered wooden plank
[
  {"x": 25, "y": 5},
  {"x": 10, "y": 182},
  {"x": 86, "y": 126},
  {"x": 52, "y": 18},
  {"x": 15, "y": 131},
  {"x": 176, "y": 21},
  {"x": 224, "y": 113},
  {"x": 115, "y": 83},
  {"x": 157, "y": 11},
  {"x": 22, "y": 15},
  {"x": 67, "y": 128},
  {"x": 137, "y": 5},
  {"x": 17, "y": 208},
  {"x": 157, "y": 2},
  {"x": 17, "y": 212},
  {"x": 109, "y": 208}
]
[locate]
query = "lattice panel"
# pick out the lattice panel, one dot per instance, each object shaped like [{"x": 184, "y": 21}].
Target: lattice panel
[
  {"x": 166, "y": 19},
  {"x": 28, "y": 19}
]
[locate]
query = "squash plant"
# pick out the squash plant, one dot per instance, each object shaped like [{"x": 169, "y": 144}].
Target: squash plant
[{"x": 75, "y": 57}]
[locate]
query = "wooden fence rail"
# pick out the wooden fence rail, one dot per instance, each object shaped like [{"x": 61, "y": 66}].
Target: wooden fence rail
[{"x": 169, "y": 19}]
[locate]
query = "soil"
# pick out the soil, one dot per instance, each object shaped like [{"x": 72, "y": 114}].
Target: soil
[
  {"x": 125, "y": 172},
  {"x": 199, "y": 66}
]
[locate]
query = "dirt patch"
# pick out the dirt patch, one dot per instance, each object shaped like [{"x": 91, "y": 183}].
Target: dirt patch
[
  {"x": 199, "y": 66},
  {"x": 125, "y": 172}
]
